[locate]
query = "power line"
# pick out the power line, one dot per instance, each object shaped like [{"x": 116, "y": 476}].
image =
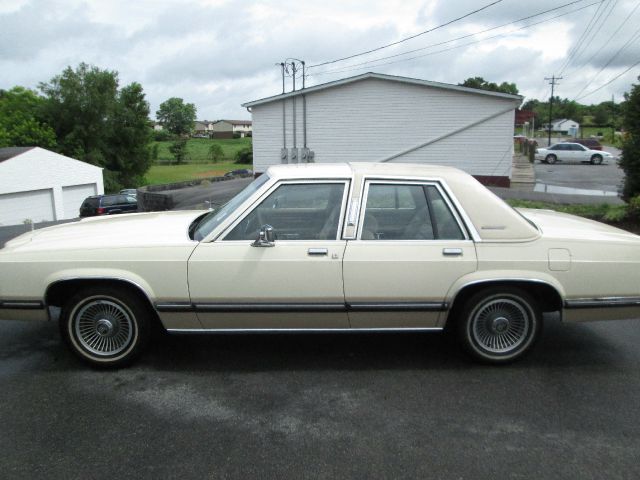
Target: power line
[
  {"x": 473, "y": 34},
  {"x": 576, "y": 46},
  {"x": 350, "y": 69},
  {"x": 585, "y": 46},
  {"x": 609, "y": 82},
  {"x": 408, "y": 38},
  {"x": 553, "y": 83},
  {"x": 635, "y": 36},
  {"x": 612, "y": 36}
]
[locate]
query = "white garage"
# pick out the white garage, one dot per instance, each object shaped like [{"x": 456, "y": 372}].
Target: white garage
[
  {"x": 384, "y": 118},
  {"x": 39, "y": 185}
]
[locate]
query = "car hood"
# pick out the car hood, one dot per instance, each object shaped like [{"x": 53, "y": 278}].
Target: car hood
[
  {"x": 118, "y": 231},
  {"x": 571, "y": 227}
]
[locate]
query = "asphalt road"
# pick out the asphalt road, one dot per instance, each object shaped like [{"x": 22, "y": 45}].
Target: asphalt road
[
  {"x": 323, "y": 406},
  {"x": 216, "y": 193}
]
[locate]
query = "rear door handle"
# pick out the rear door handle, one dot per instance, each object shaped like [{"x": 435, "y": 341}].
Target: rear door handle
[
  {"x": 452, "y": 252},
  {"x": 318, "y": 252}
]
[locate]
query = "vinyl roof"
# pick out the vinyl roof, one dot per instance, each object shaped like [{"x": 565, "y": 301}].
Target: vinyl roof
[{"x": 380, "y": 76}]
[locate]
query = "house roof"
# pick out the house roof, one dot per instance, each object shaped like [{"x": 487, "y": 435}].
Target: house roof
[
  {"x": 235, "y": 122},
  {"x": 381, "y": 76},
  {"x": 10, "y": 152}
]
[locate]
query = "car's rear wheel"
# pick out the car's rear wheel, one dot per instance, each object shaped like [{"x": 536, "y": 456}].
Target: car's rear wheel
[
  {"x": 551, "y": 159},
  {"x": 596, "y": 160},
  {"x": 105, "y": 326},
  {"x": 499, "y": 325}
]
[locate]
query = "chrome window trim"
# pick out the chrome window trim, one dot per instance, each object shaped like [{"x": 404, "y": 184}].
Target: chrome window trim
[
  {"x": 468, "y": 234},
  {"x": 345, "y": 181}
]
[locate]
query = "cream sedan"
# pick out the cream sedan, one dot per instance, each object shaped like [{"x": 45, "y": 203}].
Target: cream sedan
[{"x": 342, "y": 247}]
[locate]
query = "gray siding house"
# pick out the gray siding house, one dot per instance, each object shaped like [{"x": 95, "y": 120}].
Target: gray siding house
[{"x": 383, "y": 118}]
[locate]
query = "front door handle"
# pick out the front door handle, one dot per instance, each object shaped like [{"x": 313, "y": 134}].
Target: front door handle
[
  {"x": 452, "y": 252},
  {"x": 318, "y": 252}
]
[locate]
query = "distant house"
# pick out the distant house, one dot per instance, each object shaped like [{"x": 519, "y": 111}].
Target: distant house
[
  {"x": 157, "y": 126},
  {"x": 203, "y": 127},
  {"x": 227, "y": 128},
  {"x": 564, "y": 125},
  {"x": 39, "y": 185}
]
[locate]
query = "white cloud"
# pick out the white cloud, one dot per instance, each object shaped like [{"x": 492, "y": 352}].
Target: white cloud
[{"x": 221, "y": 53}]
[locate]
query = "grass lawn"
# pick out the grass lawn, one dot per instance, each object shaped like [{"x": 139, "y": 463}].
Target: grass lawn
[
  {"x": 198, "y": 149},
  {"x": 159, "y": 174},
  {"x": 198, "y": 164}
]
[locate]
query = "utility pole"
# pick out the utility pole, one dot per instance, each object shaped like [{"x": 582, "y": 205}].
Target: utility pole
[{"x": 553, "y": 83}]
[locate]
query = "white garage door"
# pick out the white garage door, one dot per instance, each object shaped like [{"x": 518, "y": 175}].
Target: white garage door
[
  {"x": 72, "y": 198},
  {"x": 36, "y": 205}
]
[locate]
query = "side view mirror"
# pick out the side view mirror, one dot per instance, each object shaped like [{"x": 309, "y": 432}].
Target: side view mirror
[{"x": 265, "y": 238}]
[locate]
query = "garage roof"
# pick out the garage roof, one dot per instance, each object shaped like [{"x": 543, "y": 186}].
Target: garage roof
[
  {"x": 392, "y": 78},
  {"x": 10, "y": 152}
]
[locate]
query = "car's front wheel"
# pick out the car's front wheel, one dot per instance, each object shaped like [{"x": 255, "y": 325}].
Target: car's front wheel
[
  {"x": 105, "y": 326},
  {"x": 551, "y": 159},
  {"x": 596, "y": 160},
  {"x": 499, "y": 325}
]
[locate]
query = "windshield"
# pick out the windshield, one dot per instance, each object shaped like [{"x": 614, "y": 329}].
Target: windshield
[{"x": 211, "y": 220}]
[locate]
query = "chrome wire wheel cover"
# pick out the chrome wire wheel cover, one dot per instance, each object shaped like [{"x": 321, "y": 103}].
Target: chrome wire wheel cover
[
  {"x": 500, "y": 325},
  {"x": 103, "y": 326}
]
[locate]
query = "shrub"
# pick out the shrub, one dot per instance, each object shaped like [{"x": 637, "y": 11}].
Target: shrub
[
  {"x": 162, "y": 135},
  {"x": 630, "y": 161},
  {"x": 179, "y": 150},
  {"x": 236, "y": 135},
  {"x": 244, "y": 156},
  {"x": 215, "y": 153}
]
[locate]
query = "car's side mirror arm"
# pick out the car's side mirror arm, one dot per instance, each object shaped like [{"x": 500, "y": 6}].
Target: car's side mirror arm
[{"x": 265, "y": 238}]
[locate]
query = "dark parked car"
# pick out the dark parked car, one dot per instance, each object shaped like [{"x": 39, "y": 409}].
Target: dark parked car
[
  {"x": 590, "y": 143},
  {"x": 233, "y": 173},
  {"x": 108, "y": 205}
]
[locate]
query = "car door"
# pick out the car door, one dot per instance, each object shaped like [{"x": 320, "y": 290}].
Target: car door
[
  {"x": 411, "y": 246},
  {"x": 563, "y": 152},
  {"x": 580, "y": 153},
  {"x": 294, "y": 282}
]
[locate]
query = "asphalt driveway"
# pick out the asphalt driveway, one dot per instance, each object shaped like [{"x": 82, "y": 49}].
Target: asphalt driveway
[{"x": 323, "y": 406}]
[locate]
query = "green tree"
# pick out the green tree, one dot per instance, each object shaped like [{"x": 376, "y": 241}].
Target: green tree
[
  {"x": 179, "y": 150},
  {"x": 21, "y": 120},
  {"x": 482, "y": 84},
  {"x": 601, "y": 115},
  {"x": 630, "y": 161},
  {"x": 96, "y": 122},
  {"x": 215, "y": 153},
  {"x": 176, "y": 116}
]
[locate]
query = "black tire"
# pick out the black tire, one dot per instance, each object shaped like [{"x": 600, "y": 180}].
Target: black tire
[
  {"x": 499, "y": 325},
  {"x": 551, "y": 159},
  {"x": 106, "y": 327},
  {"x": 596, "y": 159}
]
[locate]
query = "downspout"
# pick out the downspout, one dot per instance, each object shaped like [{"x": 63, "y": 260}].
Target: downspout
[{"x": 304, "y": 119}]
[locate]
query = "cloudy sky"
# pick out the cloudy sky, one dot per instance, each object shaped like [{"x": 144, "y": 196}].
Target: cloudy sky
[{"x": 221, "y": 53}]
